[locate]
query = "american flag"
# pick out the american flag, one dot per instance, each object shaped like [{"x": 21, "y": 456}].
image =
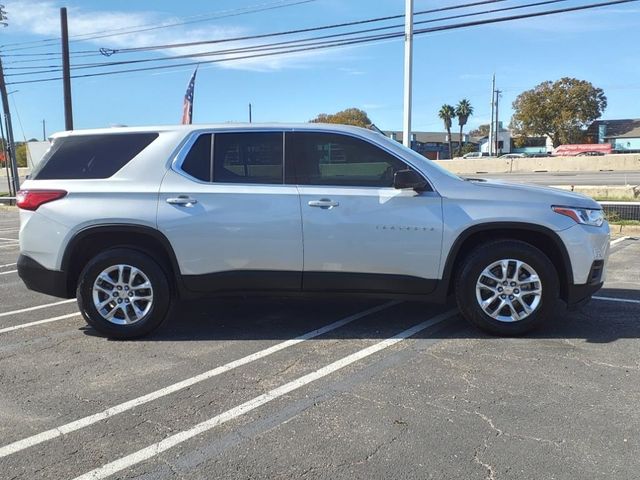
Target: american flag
[{"x": 187, "y": 106}]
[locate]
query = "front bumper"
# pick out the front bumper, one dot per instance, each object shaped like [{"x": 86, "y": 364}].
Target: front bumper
[
  {"x": 40, "y": 279},
  {"x": 579, "y": 294}
]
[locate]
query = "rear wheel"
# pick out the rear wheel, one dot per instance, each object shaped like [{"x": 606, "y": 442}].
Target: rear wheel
[
  {"x": 123, "y": 293},
  {"x": 507, "y": 287}
]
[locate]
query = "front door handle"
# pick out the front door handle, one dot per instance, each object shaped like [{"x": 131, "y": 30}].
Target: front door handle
[
  {"x": 324, "y": 203},
  {"x": 182, "y": 201}
]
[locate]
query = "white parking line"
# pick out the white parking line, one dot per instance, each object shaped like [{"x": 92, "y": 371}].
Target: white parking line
[
  {"x": 11, "y": 245},
  {"x": 123, "y": 407},
  {"x": 38, "y": 307},
  {"x": 12, "y": 239},
  {"x": 10, "y": 271},
  {"x": 180, "y": 437},
  {"x": 618, "y": 240},
  {"x": 8, "y": 265},
  {"x": 614, "y": 299},
  {"x": 39, "y": 322}
]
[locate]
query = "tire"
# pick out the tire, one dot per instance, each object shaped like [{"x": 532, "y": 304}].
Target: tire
[
  {"x": 135, "y": 310},
  {"x": 472, "y": 287}
]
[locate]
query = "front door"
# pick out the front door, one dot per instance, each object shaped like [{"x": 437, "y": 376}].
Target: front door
[
  {"x": 360, "y": 233},
  {"x": 232, "y": 222}
]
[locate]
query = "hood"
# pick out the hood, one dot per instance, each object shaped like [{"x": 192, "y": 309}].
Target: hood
[{"x": 519, "y": 191}]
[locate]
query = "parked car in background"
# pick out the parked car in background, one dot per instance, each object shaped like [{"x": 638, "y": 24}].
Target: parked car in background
[
  {"x": 476, "y": 155},
  {"x": 590, "y": 153},
  {"x": 130, "y": 220},
  {"x": 513, "y": 155},
  {"x": 576, "y": 149}
]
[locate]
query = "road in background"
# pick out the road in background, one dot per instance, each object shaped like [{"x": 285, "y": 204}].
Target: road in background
[{"x": 567, "y": 178}]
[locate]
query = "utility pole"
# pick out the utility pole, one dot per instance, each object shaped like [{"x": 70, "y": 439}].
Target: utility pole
[
  {"x": 9, "y": 143},
  {"x": 5, "y": 152},
  {"x": 66, "y": 73},
  {"x": 408, "y": 64},
  {"x": 44, "y": 130},
  {"x": 490, "y": 139},
  {"x": 250, "y": 113},
  {"x": 498, "y": 92}
]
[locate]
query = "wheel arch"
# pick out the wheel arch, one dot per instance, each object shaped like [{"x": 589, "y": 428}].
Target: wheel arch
[
  {"x": 543, "y": 238},
  {"x": 90, "y": 241}
]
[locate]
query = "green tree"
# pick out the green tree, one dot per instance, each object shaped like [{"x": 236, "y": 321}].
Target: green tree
[
  {"x": 447, "y": 113},
  {"x": 560, "y": 110},
  {"x": 350, "y": 116},
  {"x": 468, "y": 148},
  {"x": 463, "y": 111},
  {"x": 480, "y": 131},
  {"x": 21, "y": 154}
]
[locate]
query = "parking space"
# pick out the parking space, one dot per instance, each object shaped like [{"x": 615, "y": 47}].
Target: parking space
[{"x": 340, "y": 388}]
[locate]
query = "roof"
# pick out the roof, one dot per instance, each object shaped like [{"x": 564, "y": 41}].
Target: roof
[
  {"x": 221, "y": 126},
  {"x": 624, "y": 128}
]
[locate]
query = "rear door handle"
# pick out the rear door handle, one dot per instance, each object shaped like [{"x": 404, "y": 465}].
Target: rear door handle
[
  {"x": 325, "y": 203},
  {"x": 182, "y": 200}
]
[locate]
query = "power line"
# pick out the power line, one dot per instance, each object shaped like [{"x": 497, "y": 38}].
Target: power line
[
  {"x": 154, "y": 26},
  {"x": 271, "y": 46},
  {"x": 289, "y": 32},
  {"x": 304, "y": 30},
  {"x": 370, "y": 39}
]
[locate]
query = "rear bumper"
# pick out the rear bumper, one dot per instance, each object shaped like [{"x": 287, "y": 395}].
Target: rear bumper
[{"x": 40, "y": 279}]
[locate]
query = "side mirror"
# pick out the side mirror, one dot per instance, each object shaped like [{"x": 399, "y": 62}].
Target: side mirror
[{"x": 409, "y": 179}]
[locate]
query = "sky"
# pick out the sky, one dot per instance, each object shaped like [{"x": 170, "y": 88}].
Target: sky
[{"x": 598, "y": 45}]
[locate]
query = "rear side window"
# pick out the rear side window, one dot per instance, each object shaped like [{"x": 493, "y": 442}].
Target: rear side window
[
  {"x": 248, "y": 157},
  {"x": 197, "y": 163},
  {"x": 91, "y": 156}
]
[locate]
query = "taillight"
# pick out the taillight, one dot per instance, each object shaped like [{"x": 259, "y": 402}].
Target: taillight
[{"x": 32, "y": 199}]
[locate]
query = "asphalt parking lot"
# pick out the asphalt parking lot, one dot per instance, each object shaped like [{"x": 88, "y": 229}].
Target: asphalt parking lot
[{"x": 288, "y": 388}]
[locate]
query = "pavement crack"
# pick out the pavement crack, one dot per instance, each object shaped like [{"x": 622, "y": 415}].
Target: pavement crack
[
  {"x": 489, "y": 422},
  {"x": 491, "y": 471}
]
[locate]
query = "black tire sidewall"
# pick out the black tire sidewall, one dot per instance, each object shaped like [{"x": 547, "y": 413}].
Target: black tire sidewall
[
  {"x": 482, "y": 257},
  {"x": 157, "y": 277}
]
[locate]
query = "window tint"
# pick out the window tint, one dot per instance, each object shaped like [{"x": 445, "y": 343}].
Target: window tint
[
  {"x": 248, "y": 157},
  {"x": 333, "y": 159},
  {"x": 197, "y": 163},
  {"x": 91, "y": 156}
]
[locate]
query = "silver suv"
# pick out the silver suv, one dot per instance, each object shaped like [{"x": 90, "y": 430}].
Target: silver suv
[{"x": 129, "y": 220}]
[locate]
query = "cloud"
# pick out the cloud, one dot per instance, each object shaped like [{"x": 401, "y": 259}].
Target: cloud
[
  {"x": 41, "y": 18},
  {"x": 474, "y": 76}
]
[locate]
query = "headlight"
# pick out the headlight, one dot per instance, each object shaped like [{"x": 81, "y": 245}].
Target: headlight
[{"x": 585, "y": 216}]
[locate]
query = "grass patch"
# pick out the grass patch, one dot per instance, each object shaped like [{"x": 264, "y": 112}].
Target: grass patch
[{"x": 616, "y": 199}]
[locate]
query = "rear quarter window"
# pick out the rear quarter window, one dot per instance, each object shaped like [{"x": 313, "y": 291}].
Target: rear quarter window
[{"x": 91, "y": 156}]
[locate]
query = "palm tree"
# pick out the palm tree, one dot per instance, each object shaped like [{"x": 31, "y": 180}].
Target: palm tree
[
  {"x": 447, "y": 113},
  {"x": 463, "y": 111}
]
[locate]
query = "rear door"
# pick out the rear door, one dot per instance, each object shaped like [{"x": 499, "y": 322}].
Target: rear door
[
  {"x": 232, "y": 222},
  {"x": 360, "y": 233}
]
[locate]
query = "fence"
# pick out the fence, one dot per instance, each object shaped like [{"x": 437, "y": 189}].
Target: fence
[{"x": 621, "y": 211}]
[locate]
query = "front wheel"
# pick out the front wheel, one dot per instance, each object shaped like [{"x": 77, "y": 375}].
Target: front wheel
[
  {"x": 123, "y": 293},
  {"x": 507, "y": 287}
]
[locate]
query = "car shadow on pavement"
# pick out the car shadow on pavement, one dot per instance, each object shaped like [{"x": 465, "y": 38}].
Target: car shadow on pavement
[{"x": 265, "y": 318}]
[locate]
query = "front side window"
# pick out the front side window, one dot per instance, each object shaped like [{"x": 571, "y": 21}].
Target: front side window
[
  {"x": 339, "y": 160},
  {"x": 248, "y": 157}
]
